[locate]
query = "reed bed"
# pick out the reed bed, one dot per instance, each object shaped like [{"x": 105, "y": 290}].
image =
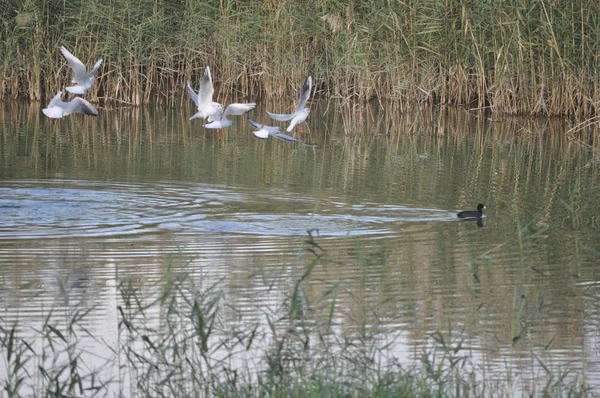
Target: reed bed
[{"x": 510, "y": 57}]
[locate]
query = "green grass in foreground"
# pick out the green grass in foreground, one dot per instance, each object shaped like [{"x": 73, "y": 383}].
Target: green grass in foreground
[
  {"x": 513, "y": 56},
  {"x": 182, "y": 340}
]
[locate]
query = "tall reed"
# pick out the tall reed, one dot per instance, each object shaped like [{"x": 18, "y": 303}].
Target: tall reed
[{"x": 511, "y": 57}]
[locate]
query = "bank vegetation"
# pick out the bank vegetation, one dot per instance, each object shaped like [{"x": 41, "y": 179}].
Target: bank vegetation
[{"x": 511, "y": 57}]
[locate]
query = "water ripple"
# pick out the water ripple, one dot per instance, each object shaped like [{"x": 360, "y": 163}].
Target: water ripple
[{"x": 57, "y": 209}]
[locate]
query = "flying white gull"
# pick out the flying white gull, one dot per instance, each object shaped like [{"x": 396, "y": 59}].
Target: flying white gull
[
  {"x": 204, "y": 98},
  {"x": 219, "y": 120},
  {"x": 301, "y": 112},
  {"x": 57, "y": 108},
  {"x": 83, "y": 79},
  {"x": 263, "y": 132}
]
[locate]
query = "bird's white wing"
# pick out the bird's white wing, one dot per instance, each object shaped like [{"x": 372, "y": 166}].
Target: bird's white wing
[
  {"x": 293, "y": 124},
  {"x": 55, "y": 101},
  {"x": 261, "y": 133},
  {"x": 255, "y": 124},
  {"x": 299, "y": 118},
  {"x": 75, "y": 64},
  {"x": 304, "y": 94},
  {"x": 217, "y": 115},
  {"x": 238, "y": 109},
  {"x": 285, "y": 137},
  {"x": 264, "y": 131},
  {"x": 79, "y": 105},
  {"x": 214, "y": 125},
  {"x": 96, "y": 68},
  {"x": 192, "y": 93},
  {"x": 53, "y": 113},
  {"x": 206, "y": 91},
  {"x": 268, "y": 129},
  {"x": 219, "y": 124},
  {"x": 281, "y": 117}
]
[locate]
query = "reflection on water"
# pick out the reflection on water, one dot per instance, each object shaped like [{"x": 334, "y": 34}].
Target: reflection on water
[{"x": 85, "y": 200}]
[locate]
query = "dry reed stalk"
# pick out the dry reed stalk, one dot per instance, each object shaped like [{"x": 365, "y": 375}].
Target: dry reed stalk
[{"x": 510, "y": 57}]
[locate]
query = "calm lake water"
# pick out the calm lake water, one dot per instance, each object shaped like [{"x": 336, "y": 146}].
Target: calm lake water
[{"x": 86, "y": 201}]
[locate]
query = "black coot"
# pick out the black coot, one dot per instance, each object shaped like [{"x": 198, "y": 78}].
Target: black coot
[{"x": 472, "y": 213}]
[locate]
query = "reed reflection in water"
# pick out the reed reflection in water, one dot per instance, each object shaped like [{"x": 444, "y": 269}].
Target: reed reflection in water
[{"x": 135, "y": 190}]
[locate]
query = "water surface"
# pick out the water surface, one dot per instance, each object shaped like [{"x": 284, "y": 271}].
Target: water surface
[{"x": 86, "y": 201}]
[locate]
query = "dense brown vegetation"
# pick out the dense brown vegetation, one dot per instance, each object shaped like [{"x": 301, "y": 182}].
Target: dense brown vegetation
[{"x": 515, "y": 57}]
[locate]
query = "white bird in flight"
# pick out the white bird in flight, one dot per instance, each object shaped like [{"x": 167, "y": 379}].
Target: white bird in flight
[
  {"x": 301, "y": 112},
  {"x": 83, "y": 79},
  {"x": 263, "y": 132},
  {"x": 219, "y": 119},
  {"x": 204, "y": 98},
  {"x": 57, "y": 108}
]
